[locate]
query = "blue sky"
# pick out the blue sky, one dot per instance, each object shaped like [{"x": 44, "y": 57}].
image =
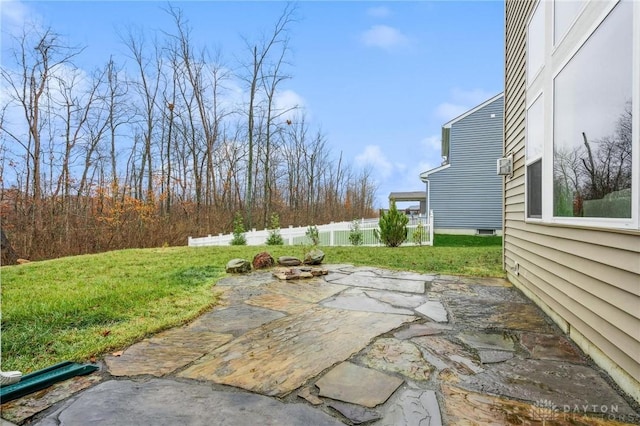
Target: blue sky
[{"x": 379, "y": 78}]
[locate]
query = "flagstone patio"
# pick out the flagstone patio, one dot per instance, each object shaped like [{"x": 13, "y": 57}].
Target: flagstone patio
[{"x": 360, "y": 345}]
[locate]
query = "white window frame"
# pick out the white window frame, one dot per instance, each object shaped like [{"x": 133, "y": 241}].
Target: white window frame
[
  {"x": 557, "y": 55},
  {"x": 530, "y": 160}
]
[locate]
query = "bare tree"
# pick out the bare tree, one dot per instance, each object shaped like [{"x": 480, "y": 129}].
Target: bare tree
[
  {"x": 260, "y": 54},
  {"x": 38, "y": 55}
]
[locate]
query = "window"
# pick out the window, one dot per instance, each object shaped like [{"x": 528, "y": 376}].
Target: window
[
  {"x": 534, "y": 143},
  {"x": 592, "y": 124},
  {"x": 535, "y": 43},
  {"x": 564, "y": 13},
  {"x": 582, "y": 140}
]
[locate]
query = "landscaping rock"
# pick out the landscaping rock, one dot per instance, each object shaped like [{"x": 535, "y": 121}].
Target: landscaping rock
[
  {"x": 289, "y": 261},
  {"x": 263, "y": 260},
  {"x": 238, "y": 266},
  {"x": 314, "y": 257}
]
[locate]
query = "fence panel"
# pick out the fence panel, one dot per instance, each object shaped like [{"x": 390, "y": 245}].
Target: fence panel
[{"x": 333, "y": 234}]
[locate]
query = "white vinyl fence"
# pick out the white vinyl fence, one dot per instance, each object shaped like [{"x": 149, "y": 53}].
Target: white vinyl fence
[{"x": 333, "y": 234}]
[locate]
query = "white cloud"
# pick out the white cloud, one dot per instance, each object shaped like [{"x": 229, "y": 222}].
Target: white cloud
[
  {"x": 432, "y": 142},
  {"x": 372, "y": 156},
  {"x": 383, "y": 36},
  {"x": 379, "y": 12},
  {"x": 289, "y": 103},
  {"x": 14, "y": 12},
  {"x": 460, "y": 102}
]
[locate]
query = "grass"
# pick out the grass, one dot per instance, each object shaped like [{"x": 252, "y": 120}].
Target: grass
[{"x": 78, "y": 308}]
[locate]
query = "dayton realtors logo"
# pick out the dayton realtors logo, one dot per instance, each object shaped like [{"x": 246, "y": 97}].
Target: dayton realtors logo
[{"x": 545, "y": 410}]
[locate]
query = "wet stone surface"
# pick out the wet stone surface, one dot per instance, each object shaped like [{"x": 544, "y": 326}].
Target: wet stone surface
[
  {"x": 397, "y": 356},
  {"x": 543, "y": 380},
  {"x": 280, "y": 356},
  {"x": 357, "y": 300},
  {"x": 361, "y": 345},
  {"x": 237, "y": 319},
  {"x": 355, "y": 413},
  {"x": 413, "y": 407},
  {"x": 357, "y": 385}
]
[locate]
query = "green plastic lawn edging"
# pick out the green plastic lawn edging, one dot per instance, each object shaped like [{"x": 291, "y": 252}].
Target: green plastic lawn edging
[{"x": 44, "y": 378}]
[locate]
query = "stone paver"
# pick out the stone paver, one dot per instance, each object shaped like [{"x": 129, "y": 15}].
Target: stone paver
[
  {"x": 371, "y": 280},
  {"x": 162, "y": 402},
  {"x": 415, "y": 330},
  {"x": 433, "y": 310},
  {"x": 397, "y": 356},
  {"x": 399, "y": 300},
  {"x": 413, "y": 407},
  {"x": 358, "y": 385},
  {"x": 357, "y": 300},
  {"x": 545, "y": 346},
  {"x": 564, "y": 384},
  {"x": 165, "y": 352},
  {"x": 278, "y": 357},
  {"x": 359, "y": 345},
  {"x": 355, "y": 413},
  {"x": 236, "y": 320}
]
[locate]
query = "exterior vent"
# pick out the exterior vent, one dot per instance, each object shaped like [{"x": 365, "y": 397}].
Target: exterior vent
[
  {"x": 485, "y": 232},
  {"x": 505, "y": 166}
]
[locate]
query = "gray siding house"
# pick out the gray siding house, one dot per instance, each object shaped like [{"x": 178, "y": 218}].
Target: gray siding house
[
  {"x": 465, "y": 193},
  {"x": 564, "y": 118}
]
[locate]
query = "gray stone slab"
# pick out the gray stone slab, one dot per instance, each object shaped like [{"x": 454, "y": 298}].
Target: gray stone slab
[
  {"x": 488, "y": 341},
  {"x": 358, "y": 385},
  {"x": 560, "y": 383},
  {"x": 550, "y": 346},
  {"x": 284, "y": 354},
  {"x": 235, "y": 320},
  {"x": 433, "y": 310},
  {"x": 399, "y": 300},
  {"x": 161, "y": 402},
  {"x": 412, "y": 407},
  {"x": 443, "y": 354},
  {"x": 355, "y": 413},
  {"x": 371, "y": 280},
  {"x": 493, "y": 314},
  {"x": 398, "y": 356},
  {"x": 493, "y": 356},
  {"x": 357, "y": 300},
  {"x": 415, "y": 330}
]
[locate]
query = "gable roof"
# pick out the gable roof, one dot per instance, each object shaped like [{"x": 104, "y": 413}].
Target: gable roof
[
  {"x": 425, "y": 175},
  {"x": 472, "y": 110}
]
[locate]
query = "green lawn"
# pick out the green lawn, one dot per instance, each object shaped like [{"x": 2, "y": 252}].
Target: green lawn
[{"x": 76, "y": 308}]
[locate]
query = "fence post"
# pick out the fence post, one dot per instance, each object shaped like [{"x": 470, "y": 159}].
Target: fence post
[
  {"x": 290, "y": 235},
  {"x": 431, "y": 227}
]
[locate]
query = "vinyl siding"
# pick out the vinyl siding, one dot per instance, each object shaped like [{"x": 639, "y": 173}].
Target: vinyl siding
[
  {"x": 587, "y": 279},
  {"x": 468, "y": 194}
]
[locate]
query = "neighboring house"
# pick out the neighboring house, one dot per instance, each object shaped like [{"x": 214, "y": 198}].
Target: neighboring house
[
  {"x": 420, "y": 196},
  {"x": 465, "y": 193},
  {"x": 572, "y": 124}
]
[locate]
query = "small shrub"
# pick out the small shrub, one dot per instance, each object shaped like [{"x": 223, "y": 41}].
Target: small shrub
[
  {"x": 393, "y": 227},
  {"x": 419, "y": 234},
  {"x": 356, "y": 236},
  {"x": 274, "y": 239},
  {"x": 238, "y": 231},
  {"x": 313, "y": 234}
]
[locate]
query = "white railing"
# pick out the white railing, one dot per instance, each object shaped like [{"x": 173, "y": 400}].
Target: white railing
[{"x": 333, "y": 234}]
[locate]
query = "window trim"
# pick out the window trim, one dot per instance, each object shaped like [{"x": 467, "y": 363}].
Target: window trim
[
  {"x": 529, "y": 80},
  {"x": 573, "y": 22},
  {"x": 539, "y": 96}
]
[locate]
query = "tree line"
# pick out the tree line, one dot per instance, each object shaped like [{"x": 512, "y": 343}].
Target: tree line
[{"x": 156, "y": 146}]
